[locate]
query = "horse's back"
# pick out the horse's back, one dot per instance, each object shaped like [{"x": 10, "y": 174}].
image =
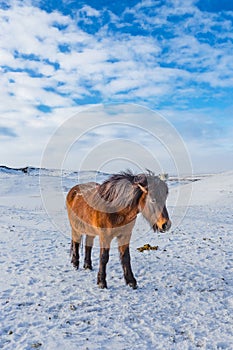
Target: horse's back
[{"x": 79, "y": 191}]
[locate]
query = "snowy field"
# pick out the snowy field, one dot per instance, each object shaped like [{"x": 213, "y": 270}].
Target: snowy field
[{"x": 185, "y": 295}]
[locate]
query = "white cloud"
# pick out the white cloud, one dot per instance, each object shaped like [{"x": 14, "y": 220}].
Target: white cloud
[
  {"x": 174, "y": 63},
  {"x": 106, "y": 60},
  {"x": 88, "y": 11},
  {"x": 207, "y": 135}
]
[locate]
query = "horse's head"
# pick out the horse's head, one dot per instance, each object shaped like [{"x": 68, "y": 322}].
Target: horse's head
[{"x": 152, "y": 203}]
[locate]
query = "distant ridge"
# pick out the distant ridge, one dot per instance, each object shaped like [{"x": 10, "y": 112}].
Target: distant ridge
[
  {"x": 9, "y": 170},
  {"x": 73, "y": 177},
  {"x": 29, "y": 170}
]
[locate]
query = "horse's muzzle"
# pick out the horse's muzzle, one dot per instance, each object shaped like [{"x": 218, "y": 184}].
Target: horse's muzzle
[{"x": 165, "y": 227}]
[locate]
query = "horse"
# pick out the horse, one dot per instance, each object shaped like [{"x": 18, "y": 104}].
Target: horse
[{"x": 109, "y": 210}]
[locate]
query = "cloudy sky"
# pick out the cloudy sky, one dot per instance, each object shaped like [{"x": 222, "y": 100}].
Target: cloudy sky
[{"x": 171, "y": 56}]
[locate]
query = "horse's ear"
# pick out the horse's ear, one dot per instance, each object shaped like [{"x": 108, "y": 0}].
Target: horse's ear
[
  {"x": 142, "y": 188},
  {"x": 141, "y": 181}
]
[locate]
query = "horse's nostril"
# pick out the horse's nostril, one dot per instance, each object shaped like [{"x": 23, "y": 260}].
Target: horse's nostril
[{"x": 166, "y": 226}]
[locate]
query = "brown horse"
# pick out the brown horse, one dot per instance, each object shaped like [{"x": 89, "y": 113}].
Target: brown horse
[{"x": 109, "y": 210}]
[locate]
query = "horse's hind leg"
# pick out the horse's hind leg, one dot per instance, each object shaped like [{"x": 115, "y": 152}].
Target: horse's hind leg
[
  {"x": 74, "y": 249},
  {"x": 88, "y": 248}
]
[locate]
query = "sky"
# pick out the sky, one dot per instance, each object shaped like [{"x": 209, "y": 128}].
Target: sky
[{"x": 174, "y": 57}]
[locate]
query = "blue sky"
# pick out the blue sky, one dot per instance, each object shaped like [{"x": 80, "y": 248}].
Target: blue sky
[{"x": 172, "y": 56}]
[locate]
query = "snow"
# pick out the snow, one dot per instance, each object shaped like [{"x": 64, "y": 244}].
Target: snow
[
  {"x": 185, "y": 294},
  {"x": 216, "y": 189}
]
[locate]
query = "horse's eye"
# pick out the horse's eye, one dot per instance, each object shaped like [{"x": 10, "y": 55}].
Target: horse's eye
[{"x": 153, "y": 200}]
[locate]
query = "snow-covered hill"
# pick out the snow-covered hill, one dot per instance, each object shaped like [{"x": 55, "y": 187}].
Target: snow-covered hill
[
  {"x": 185, "y": 294},
  {"x": 214, "y": 189}
]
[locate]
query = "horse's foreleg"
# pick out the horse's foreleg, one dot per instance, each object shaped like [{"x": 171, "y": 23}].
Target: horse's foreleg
[
  {"x": 88, "y": 248},
  {"x": 104, "y": 257},
  {"x": 125, "y": 261}
]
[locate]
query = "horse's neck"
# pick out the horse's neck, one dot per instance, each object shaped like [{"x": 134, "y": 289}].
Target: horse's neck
[{"x": 129, "y": 213}]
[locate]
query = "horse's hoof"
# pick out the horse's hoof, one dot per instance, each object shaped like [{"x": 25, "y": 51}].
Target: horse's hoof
[
  {"x": 102, "y": 285},
  {"x": 87, "y": 266},
  {"x": 75, "y": 267},
  {"x": 75, "y": 264},
  {"x": 133, "y": 285}
]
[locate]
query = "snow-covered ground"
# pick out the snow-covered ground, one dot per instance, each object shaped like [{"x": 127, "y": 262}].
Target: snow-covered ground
[{"x": 185, "y": 294}]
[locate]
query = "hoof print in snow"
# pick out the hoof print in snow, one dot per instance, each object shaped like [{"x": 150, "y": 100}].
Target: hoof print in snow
[
  {"x": 73, "y": 307},
  {"x": 36, "y": 345}
]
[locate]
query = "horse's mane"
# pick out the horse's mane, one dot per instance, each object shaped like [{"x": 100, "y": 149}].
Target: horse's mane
[{"x": 119, "y": 189}]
